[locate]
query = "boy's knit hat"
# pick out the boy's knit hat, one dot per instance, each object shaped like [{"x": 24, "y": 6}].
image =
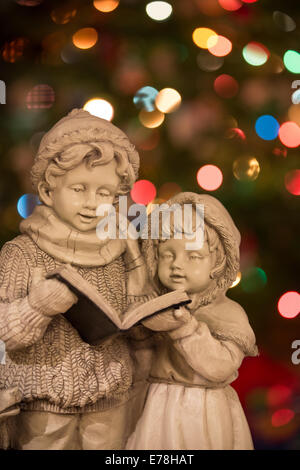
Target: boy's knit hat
[{"x": 79, "y": 127}]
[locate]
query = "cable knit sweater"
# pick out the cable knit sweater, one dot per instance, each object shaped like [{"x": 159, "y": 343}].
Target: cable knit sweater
[{"x": 47, "y": 360}]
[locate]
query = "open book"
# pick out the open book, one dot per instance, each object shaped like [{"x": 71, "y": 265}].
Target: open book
[{"x": 95, "y": 319}]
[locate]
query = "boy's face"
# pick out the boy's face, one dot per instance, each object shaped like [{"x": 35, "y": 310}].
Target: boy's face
[
  {"x": 80, "y": 191},
  {"x": 179, "y": 268}
]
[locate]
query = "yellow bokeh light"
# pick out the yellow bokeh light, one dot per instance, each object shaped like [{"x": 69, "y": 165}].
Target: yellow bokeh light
[
  {"x": 100, "y": 108},
  {"x": 205, "y": 37},
  {"x": 85, "y": 38},
  {"x": 246, "y": 169},
  {"x": 152, "y": 205},
  {"x": 294, "y": 113},
  {"x": 106, "y": 6},
  {"x": 151, "y": 119},
  {"x": 167, "y": 100},
  {"x": 236, "y": 282}
]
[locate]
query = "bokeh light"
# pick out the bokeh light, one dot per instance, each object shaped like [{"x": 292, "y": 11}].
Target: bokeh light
[
  {"x": 159, "y": 11},
  {"x": 168, "y": 100},
  {"x": 143, "y": 192},
  {"x": 221, "y": 48},
  {"x": 85, "y": 38},
  {"x": 26, "y": 204},
  {"x": 278, "y": 395},
  {"x": 145, "y": 98},
  {"x": 230, "y": 5},
  {"x": 168, "y": 190},
  {"x": 226, "y": 86},
  {"x": 292, "y": 182},
  {"x": 246, "y": 168},
  {"x": 291, "y": 60},
  {"x": 106, "y": 6},
  {"x": 209, "y": 177},
  {"x": 289, "y": 304},
  {"x": 296, "y": 97},
  {"x": 201, "y": 37},
  {"x": 282, "y": 417},
  {"x": 100, "y": 108},
  {"x": 235, "y": 132},
  {"x": 151, "y": 119},
  {"x": 29, "y": 3},
  {"x": 63, "y": 15},
  {"x": 283, "y": 21},
  {"x": 40, "y": 97},
  {"x": 208, "y": 62},
  {"x": 255, "y": 54},
  {"x": 254, "y": 279},
  {"x": 267, "y": 127},
  {"x": 289, "y": 134},
  {"x": 237, "y": 280},
  {"x": 13, "y": 50}
]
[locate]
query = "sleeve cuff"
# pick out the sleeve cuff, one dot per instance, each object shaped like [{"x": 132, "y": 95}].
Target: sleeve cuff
[{"x": 185, "y": 330}]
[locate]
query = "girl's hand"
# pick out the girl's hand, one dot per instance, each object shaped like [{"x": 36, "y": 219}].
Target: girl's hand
[{"x": 168, "y": 320}]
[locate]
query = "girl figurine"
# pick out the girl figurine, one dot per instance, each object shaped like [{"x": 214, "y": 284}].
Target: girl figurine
[{"x": 199, "y": 348}]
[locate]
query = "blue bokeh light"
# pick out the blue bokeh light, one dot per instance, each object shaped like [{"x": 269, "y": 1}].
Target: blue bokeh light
[
  {"x": 26, "y": 204},
  {"x": 267, "y": 127},
  {"x": 145, "y": 98}
]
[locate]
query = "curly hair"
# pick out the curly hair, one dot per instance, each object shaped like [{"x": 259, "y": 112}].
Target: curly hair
[{"x": 94, "y": 145}]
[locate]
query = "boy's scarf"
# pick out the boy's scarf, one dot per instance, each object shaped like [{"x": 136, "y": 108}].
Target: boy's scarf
[{"x": 66, "y": 244}]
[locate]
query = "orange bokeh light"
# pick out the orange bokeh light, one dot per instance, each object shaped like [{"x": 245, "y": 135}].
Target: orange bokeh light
[
  {"x": 85, "y": 38},
  {"x": 289, "y": 134},
  {"x": 106, "y": 6}
]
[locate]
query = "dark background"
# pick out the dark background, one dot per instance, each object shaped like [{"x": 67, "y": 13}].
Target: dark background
[{"x": 134, "y": 51}]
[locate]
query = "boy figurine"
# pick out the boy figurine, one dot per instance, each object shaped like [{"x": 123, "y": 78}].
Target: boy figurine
[{"x": 74, "y": 395}]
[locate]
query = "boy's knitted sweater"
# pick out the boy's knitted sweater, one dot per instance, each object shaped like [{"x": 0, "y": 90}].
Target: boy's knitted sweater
[{"x": 46, "y": 359}]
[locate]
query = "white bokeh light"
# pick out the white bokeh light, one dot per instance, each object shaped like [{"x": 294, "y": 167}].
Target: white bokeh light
[
  {"x": 100, "y": 108},
  {"x": 159, "y": 11}
]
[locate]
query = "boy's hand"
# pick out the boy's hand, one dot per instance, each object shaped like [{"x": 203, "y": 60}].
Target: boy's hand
[
  {"x": 8, "y": 402},
  {"x": 169, "y": 320},
  {"x": 50, "y": 296}
]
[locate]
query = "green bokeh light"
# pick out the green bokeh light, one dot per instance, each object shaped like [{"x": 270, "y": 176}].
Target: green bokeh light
[
  {"x": 291, "y": 60},
  {"x": 253, "y": 280}
]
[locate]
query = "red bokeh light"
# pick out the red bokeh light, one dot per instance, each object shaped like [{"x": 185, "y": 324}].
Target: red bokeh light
[
  {"x": 289, "y": 304},
  {"x": 289, "y": 134},
  {"x": 230, "y": 5},
  {"x": 226, "y": 86},
  {"x": 292, "y": 182},
  {"x": 278, "y": 394},
  {"x": 209, "y": 177},
  {"x": 143, "y": 192},
  {"x": 282, "y": 417}
]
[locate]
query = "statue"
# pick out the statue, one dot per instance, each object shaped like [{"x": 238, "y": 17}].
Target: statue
[{"x": 198, "y": 348}]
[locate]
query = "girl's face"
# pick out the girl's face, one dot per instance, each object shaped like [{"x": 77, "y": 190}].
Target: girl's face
[{"x": 179, "y": 268}]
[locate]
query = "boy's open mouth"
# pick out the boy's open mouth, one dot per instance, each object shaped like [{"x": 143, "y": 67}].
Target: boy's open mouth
[{"x": 87, "y": 218}]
